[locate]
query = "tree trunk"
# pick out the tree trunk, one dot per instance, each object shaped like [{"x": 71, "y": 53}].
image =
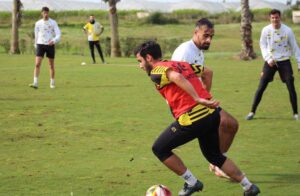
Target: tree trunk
[
  {"x": 16, "y": 22},
  {"x": 113, "y": 17},
  {"x": 247, "y": 52}
]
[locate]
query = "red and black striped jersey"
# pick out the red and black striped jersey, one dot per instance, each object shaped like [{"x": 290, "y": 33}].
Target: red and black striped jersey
[{"x": 179, "y": 101}]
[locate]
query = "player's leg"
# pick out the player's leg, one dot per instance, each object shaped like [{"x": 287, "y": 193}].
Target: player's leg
[
  {"x": 227, "y": 130},
  {"x": 266, "y": 76},
  {"x": 51, "y": 56},
  {"x": 172, "y": 137},
  {"x": 209, "y": 144},
  {"x": 98, "y": 46},
  {"x": 232, "y": 170},
  {"x": 91, "y": 46},
  {"x": 293, "y": 97},
  {"x": 52, "y": 72},
  {"x": 40, "y": 52},
  {"x": 286, "y": 75}
]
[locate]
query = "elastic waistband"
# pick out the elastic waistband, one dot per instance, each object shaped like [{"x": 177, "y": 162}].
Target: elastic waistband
[{"x": 283, "y": 61}]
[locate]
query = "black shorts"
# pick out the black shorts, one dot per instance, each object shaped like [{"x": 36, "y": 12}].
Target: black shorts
[
  {"x": 284, "y": 69},
  {"x": 42, "y": 49},
  {"x": 205, "y": 130}
]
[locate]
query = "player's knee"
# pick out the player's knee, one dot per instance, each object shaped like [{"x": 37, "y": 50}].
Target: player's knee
[
  {"x": 265, "y": 78},
  {"x": 216, "y": 159},
  {"x": 229, "y": 124},
  {"x": 289, "y": 80},
  {"x": 161, "y": 153}
]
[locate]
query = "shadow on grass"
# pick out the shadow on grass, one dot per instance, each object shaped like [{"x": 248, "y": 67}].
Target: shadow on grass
[
  {"x": 273, "y": 118},
  {"x": 287, "y": 178}
]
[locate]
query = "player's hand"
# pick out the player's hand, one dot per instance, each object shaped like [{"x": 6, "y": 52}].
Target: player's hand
[
  {"x": 208, "y": 103},
  {"x": 51, "y": 43},
  {"x": 271, "y": 62}
]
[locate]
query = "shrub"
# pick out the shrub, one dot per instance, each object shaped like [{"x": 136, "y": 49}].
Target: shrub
[
  {"x": 22, "y": 45},
  {"x": 160, "y": 19},
  {"x": 189, "y": 14},
  {"x": 127, "y": 45},
  {"x": 107, "y": 46},
  {"x": 5, "y": 43}
]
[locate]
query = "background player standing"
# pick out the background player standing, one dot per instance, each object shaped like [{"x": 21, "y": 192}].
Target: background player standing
[
  {"x": 93, "y": 30},
  {"x": 47, "y": 34},
  {"x": 277, "y": 44}
]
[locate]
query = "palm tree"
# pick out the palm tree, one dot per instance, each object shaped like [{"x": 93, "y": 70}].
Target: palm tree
[
  {"x": 113, "y": 17},
  {"x": 247, "y": 52},
  {"x": 16, "y": 23}
]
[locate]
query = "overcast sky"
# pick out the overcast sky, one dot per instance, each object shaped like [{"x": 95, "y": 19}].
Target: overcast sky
[{"x": 282, "y": 1}]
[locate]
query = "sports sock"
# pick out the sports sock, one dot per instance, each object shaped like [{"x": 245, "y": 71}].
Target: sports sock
[
  {"x": 51, "y": 81},
  {"x": 35, "y": 80},
  {"x": 245, "y": 183},
  {"x": 189, "y": 178}
]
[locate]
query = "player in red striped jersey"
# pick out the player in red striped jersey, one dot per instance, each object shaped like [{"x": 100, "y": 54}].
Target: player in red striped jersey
[{"x": 197, "y": 117}]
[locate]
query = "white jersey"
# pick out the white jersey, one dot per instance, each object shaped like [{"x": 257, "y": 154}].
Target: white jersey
[
  {"x": 46, "y": 31},
  {"x": 279, "y": 44},
  {"x": 188, "y": 52}
]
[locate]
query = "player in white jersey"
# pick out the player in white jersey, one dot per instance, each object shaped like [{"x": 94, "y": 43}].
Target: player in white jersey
[
  {"x": 277, "y": 44},
  {"x": 192, "y": 52},
  {"x": 47, "y": 34}
]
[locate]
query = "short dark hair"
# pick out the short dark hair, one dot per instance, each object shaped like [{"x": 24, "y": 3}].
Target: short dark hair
[
  {"x": 149, "y": 47},
  {"x": 274, "y": 11},
  {"x": 204, "y": 22},
  {"x": 45, "y": 9}
]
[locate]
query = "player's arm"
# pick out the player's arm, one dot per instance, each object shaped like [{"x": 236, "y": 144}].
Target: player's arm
[
  {"x": 205, "y": 73},
  {"x": 206, "y": 78},
  {"x": 263, "y": 44},
  {"x": 84, "y": 29},
  {"x": 57, "y": 33},
  {"x": 293, "y": 42},
  {"x": 184, "y": 84},
  {"x": 36, "y": 30}
]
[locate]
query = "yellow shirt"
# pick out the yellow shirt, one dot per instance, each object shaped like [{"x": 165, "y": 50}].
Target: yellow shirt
[{"x": 91, "y": 33}]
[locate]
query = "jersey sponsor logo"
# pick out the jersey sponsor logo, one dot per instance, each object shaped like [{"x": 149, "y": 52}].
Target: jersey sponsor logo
[
  {"x": 173, "y": 129},
  {"x": 198, "y": 69}
]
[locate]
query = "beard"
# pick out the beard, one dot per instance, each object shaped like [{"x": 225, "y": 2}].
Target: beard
[
  {"x": 205, "y": 47},
  {"x": 148, "y": 69}
]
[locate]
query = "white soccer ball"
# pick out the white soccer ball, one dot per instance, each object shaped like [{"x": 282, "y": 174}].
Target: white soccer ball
[
  {"x": 83, "y": 63},
  {"x": 158, "y": 190}
]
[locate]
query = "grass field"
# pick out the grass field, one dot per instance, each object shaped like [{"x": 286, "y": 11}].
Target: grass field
[{"x": 92, "y": 135}]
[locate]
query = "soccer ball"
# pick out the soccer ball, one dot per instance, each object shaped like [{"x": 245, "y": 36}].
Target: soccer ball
[
  {"x": 158, "y": 190},
  {"x": 83, "y": 63}
]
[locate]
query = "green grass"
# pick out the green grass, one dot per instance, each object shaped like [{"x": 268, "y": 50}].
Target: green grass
[{"x": 92, "y": 135}]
